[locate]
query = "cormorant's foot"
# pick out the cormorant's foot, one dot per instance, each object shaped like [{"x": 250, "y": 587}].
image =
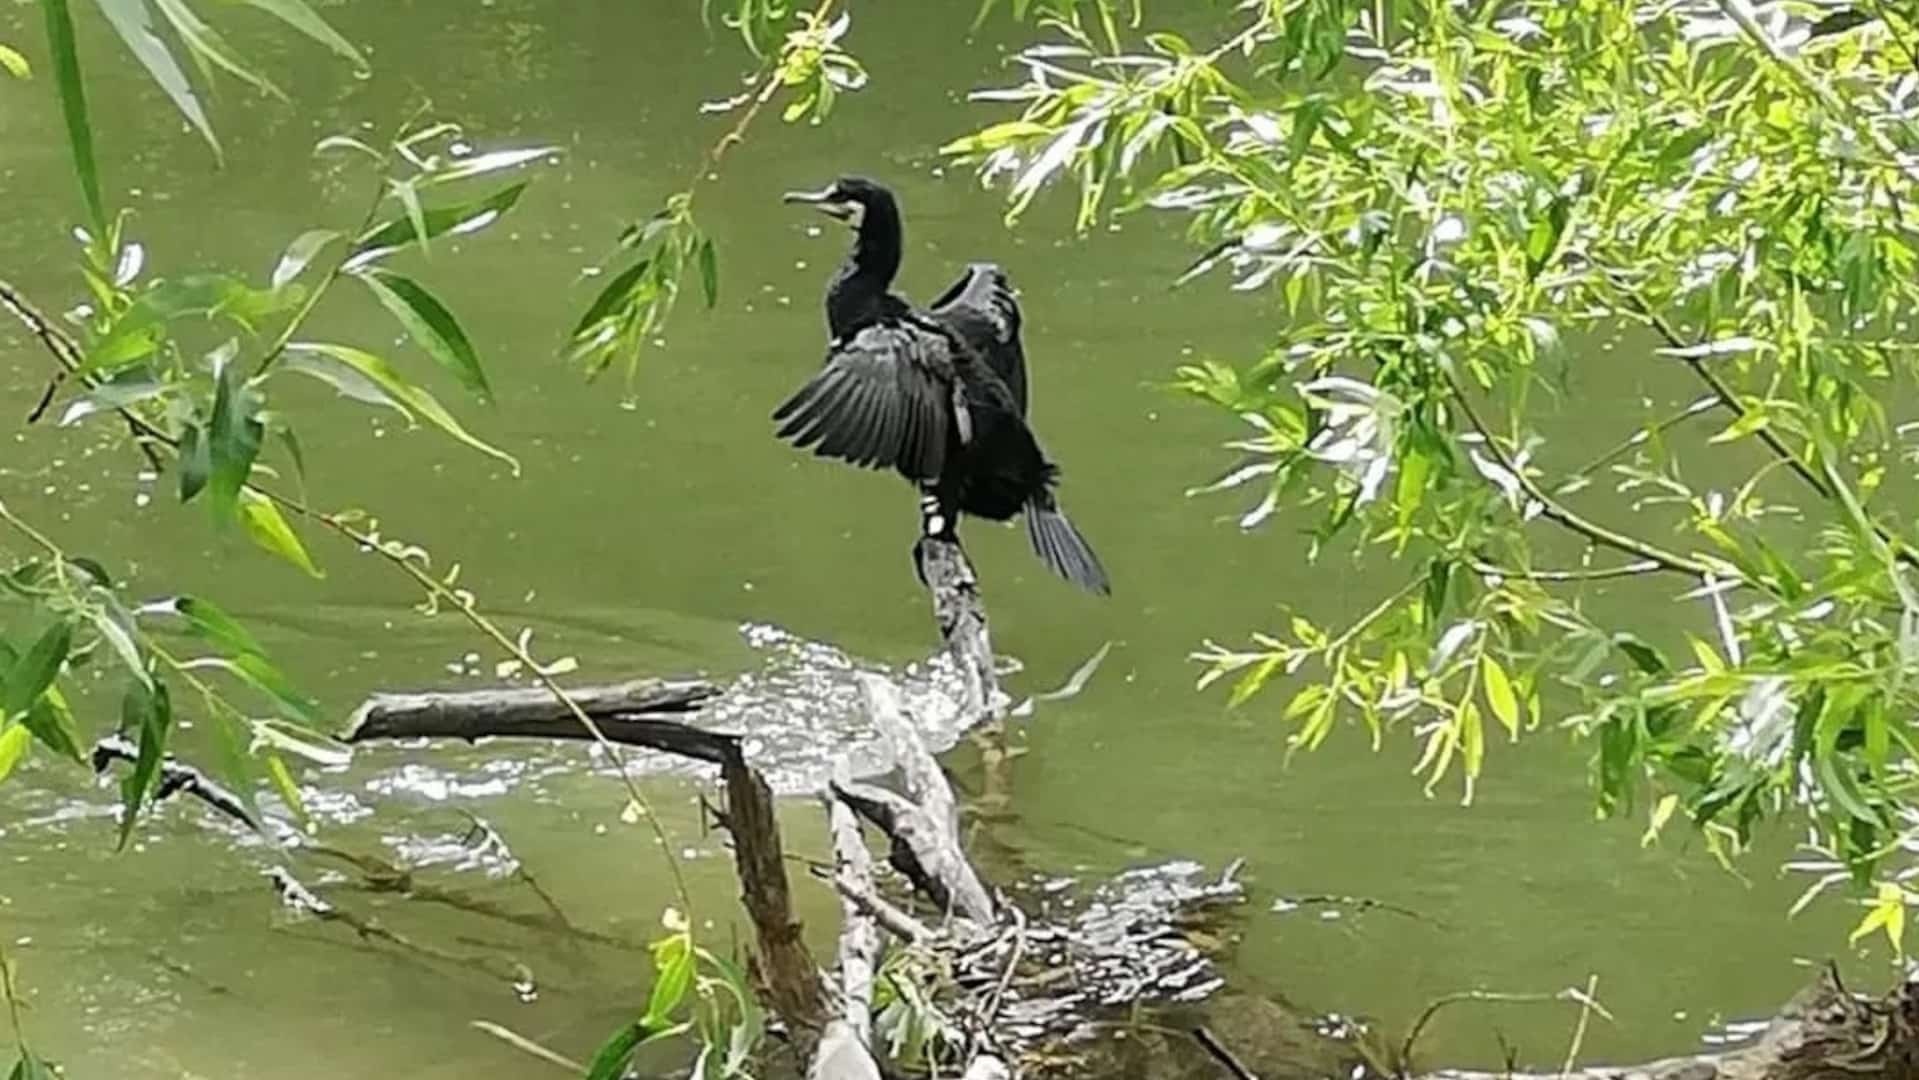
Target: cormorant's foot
[{"x": 919, "y": 562}]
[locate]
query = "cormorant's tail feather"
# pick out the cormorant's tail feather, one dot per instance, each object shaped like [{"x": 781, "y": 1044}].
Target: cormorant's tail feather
[{"x": 1060, "y": 546}]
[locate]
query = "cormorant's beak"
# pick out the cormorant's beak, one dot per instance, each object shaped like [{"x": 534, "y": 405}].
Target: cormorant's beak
[{"x": 822, "y": 200}]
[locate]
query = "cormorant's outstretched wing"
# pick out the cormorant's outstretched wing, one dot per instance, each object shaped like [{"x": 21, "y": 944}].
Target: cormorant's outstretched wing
[
  {"x": 884, "y": 399},
  {"x": 980, "y": 307}
]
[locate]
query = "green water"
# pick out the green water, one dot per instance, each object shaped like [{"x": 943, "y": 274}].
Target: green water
[{"x": 638, "y": 540}]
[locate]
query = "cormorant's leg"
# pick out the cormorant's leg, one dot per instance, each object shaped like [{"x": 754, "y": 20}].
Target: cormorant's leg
[{"x": 938, "y": 521}]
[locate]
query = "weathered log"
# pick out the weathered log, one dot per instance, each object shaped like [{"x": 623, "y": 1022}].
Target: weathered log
[
  {"x": 1823, "y": 1032},
  {"x": 960, "y": 613},
  {"x": 530, "y": 712},
  {"x": 924, "y": 829},
  {"x": 845, "y": 1051},
  {"x": 792, "y": 978}
]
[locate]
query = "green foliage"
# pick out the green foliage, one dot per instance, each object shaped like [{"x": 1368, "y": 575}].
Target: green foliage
[
  {"x": 1432, "y": 200},
  {"x": 694, "y": 991},
  {"x": 630, "y": 312}
]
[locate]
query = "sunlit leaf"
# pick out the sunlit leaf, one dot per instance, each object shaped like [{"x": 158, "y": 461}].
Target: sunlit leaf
[
  {"x": 216, "y": 626},
  {"x": 133, "y": 21},
  {"x": 1499, "y": 694},
  {"x": 73, "y": 107},
  {"x": 269, "y": 529},
  {"x": 14, "y": 741},
  {"x": 381, "y": 374},
  {"x": 673, "y": 964},
  {"x": 300, "y": 253},
  {"x": 14, "y": 64},
  {"x": 435, "y": 222},
  {"x": 430, "y": 324},
  {"x": 481, "y": 164},
  {"x": 287, "y": 787}
]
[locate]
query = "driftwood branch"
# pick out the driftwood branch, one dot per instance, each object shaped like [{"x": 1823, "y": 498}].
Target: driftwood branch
[
  {"x": 1823, "y": 1032},
  {"x": 845, "y": 1050},
  {"x": 628, "y": 712},
  {"x": 924, "y": 827}
]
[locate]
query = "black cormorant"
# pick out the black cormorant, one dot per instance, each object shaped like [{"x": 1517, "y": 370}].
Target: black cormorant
[{"x": 939, "y": 394}]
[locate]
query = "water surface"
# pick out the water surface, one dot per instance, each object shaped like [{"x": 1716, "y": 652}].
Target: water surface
[{"x": 640, "y": 540}]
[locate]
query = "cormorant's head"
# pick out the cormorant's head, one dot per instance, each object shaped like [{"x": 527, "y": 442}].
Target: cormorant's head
[{"x": 851, "y": 199}]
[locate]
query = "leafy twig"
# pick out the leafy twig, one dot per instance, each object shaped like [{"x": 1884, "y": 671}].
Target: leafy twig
[{"x": 1560, "y": 515}]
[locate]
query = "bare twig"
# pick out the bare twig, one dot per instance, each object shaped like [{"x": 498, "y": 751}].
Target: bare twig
[
  {"x": 528, "y": 1046},
  {"x": 1432, "y": 1009},
  {"x": 1211, "y": 1044},
  {"x": 1587, "y": 1003}
]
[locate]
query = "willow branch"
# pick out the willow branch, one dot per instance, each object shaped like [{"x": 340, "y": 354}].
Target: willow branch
[
  {"x": 67, "y": 353},
  {"x": 63, "y": 347},
  {"x": 1637, "y": 439},
  {"x": 1827, "y": 486},
  {"x": 1560, "y": 515}
]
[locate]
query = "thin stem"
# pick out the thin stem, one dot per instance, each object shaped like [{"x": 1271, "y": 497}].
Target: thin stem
[
  {"x": 1604, "y": 573},
  {"x": 1587, "y": 1003},
  {"x": 1828, "y": 486},
  {"x": 69, "y": 356},
  {"x": 1637, "y": 439},
  {"x": 492, "y": 631},
  {"x": 12, "y": 995},
  {"x": 768, "y": 81},
  {"x": 298, "y": 321},
  {"x": 1560, "y": 515}
]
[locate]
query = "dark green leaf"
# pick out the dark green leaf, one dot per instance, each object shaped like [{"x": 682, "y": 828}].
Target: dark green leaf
[
  {"x": 216, "y": 626},
  {"x": 614, "y": 295},
  {"x": 1643, "y": 656},
  {"x": 195, "y": 462},
  {"x": 435, "y": 222},
  {"x": 51, "y": 721},
  {"x": 134, "y": 23},
  {"x": 381, "y": 374},
  {"x": 297, "y": 14},
  {"x": 610, "y": 1062},
  {"x": 233, "y": 439},
  {"x": 73, "y": 106},
  {"x": 269, "y": 529},
  {"x": 709, "y": 271},
  {"x": 1839, "y": 22},
  {"x": 30, "y": 1067},
  {"x": 146, "y": 711},
  {"x": 430, "y": 324},
  {"x": 300, "y": 254},
  {"x": 29, "y": 677}
]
